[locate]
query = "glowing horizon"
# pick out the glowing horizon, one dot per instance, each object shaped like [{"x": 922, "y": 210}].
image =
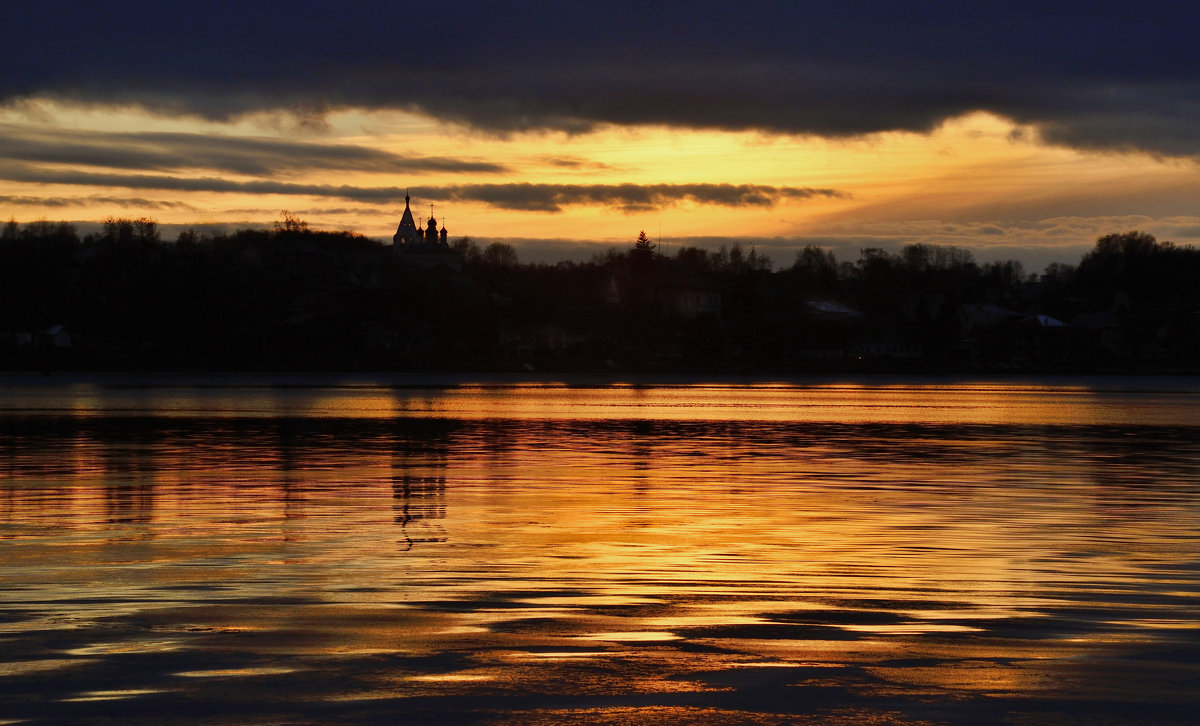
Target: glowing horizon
[{"x": 977, "y": 181}]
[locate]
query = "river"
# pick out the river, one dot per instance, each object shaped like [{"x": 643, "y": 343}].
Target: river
[{"x": 355, "y": 550}]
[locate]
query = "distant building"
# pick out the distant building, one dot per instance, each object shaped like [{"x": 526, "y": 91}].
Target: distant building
[
  {"x": 691, "y": 301},
  {"x": 832, "y": 310},
  {"x": 972, "y": 318},
  {"x": 427, "y": 248},
  {"x": 1101, "y": 332},
  {"x": 57, "y": 336}
]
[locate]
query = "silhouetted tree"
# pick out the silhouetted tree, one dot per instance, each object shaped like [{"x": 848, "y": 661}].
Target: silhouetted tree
[
  {"x": 290, "y": 223},
  {"x": 1139, "y": 267},
  {"x": 467, "y": 249},
  {"x": 692, "y": 260},
  {"x": 815, "y": 270},
  {"x": 123, "y": 231},
  {"x": 643, "y": 247},
  {"x": 499, "y": 254}
]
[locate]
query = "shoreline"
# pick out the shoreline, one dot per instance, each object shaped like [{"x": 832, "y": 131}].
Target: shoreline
[{"x": 433, "y": 380}]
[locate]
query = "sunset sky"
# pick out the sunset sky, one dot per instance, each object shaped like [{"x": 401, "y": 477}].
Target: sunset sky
[{"x": 565, "y": 128}]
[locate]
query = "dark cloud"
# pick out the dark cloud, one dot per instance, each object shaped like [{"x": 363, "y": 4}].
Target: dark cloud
[
  {"x": 1102, "y": 75},
  {"x": 366, "y": 212},
  {"x": 94, "y": 200},
  {"x": 41, "y": 175},
  {"x": 626, "y": 197},
  {"x": 527, "y": 197},
  {"x": 149, "y": 151},
  {"x": 573, "y": 162},
  {"x": 1190, "y": 231}
]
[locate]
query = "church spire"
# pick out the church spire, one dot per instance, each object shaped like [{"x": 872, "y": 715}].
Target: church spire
[{"x": 406, "y": 233}]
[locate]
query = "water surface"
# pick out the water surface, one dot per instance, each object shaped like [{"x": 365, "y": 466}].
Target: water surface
[{"x": 215, "y": 551}]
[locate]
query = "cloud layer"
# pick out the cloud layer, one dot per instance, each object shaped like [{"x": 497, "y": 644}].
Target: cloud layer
[
  {"x": 517, "y": 196},
  {"x": 1102, "y": 76},
  {"x": 626, "y": 197},
  {"x": 148, "y": 151}
]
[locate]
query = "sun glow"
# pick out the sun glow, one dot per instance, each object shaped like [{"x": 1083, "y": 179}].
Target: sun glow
[{"x": 962, "y": 183}]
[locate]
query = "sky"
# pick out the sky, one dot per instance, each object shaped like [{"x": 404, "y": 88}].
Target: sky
[{"x": 1019, "y": 131}]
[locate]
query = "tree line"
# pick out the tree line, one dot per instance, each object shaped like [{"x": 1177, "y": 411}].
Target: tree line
[{"x": 291, "y": 298}]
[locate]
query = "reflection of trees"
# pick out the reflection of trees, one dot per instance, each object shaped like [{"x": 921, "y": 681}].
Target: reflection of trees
[
  {"x": 129, "y": 503},
  {"x": 641, "y": 444},
  {"x": 108, "y": 469},
  {"x": 131, "y": 457},
  {"x": 129, "y": 473},
  {"x": 419, "y": 453},
  {"x": 287, "y": 443},
  {"x": 1136, "y": 468}
]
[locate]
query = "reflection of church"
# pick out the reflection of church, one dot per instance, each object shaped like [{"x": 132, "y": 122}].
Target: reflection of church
[
  {"x": 419, "y": 502},
  {"x": 426, "y": 247}
]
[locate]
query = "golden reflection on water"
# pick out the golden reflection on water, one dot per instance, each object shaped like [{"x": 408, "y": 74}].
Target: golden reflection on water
[
  {"x": 17, "y": 668},
  {"x": 111, "y": 695},
  {"x": 236, "y": 672},
  {"x": 1079, "y": 401},
  {"x": 359, "y": 544}
]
